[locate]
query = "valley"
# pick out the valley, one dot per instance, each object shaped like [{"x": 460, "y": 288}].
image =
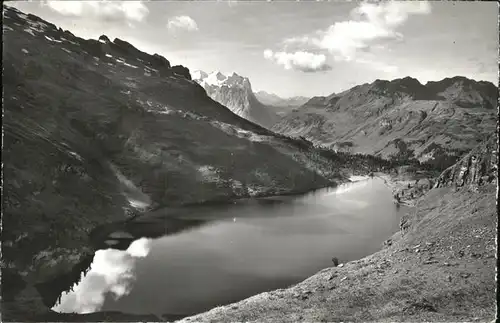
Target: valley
[{"x": 116, "y": 161}]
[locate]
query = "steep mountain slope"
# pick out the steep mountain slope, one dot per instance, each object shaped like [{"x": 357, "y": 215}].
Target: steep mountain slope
[
  {"x": 96, "y": 130},
  {"x": 235, "y": 92},
  {"x": 401, "y": 117}
]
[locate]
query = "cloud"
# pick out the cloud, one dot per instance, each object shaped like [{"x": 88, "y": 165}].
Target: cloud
[
  {"x": 182, "y": 23},
  {"x": 112, "y": 271},
  {"x": 371, "y": 25},
  {"x": 374, "y": 23},
  {"x": 301, "y": 61},
  {"x": 129, "y": 11}
]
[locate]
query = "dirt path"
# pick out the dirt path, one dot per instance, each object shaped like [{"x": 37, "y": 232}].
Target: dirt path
[{"x": 441, "y": 267}]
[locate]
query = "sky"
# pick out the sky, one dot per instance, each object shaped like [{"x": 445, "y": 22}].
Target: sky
[{"x": 298, "y": 48}]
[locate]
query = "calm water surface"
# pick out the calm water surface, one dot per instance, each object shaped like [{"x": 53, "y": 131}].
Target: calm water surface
[{"x": 241, "y": 250}]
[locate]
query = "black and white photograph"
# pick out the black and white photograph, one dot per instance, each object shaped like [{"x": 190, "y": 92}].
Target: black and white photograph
[{"x": 249, "y": 161}]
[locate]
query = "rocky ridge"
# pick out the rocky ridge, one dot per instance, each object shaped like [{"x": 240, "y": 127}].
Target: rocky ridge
[{"x": 401, "y": 118}]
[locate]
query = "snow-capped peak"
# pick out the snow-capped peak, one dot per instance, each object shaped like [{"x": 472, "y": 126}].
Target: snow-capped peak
[
  {"x": 215, "y": 78},
  {"x": 198, "y": 75},
  {"x": 235, "y": 80},
  {"x": 235, "y": 92}
]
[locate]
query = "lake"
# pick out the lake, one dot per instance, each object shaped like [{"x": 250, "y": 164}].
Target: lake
[{"x": 204, "y": 256}]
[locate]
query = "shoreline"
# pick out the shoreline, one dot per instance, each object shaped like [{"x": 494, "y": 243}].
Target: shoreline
[
  {"x": 389, "y": 181},
  {"x": 397, "y": 185},
  {"x": 425, "y": 266},
  {"x": 32, "y": 304},
  {"x": 350, "y": 179},
  {"x": 138, "y": 216},
  {"x": 232, "y": 199}
]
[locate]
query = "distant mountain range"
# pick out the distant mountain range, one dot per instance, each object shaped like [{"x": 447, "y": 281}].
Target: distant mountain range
[
  {"x": 277, "y": 101},
  {"x": 235, "y": 92},
  {"x": 399, "y": 117}
]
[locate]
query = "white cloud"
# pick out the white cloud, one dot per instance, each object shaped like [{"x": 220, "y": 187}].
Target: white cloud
[
  {"x": 182, "y": 23},
  {"x": 392, "y": 13},
  {"x": 112, "y": 271},
  {"x": 301, "y": 61},
  {"x": 375, "y": 22},
  {"x": 268, "y": 54},
  {"x": 370, "y": 25},
  {"x": 67, "y": 8},
  {"x": 130, "y": 11}
]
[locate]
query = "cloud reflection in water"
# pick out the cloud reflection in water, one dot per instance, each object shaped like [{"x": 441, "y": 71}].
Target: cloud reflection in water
[{"x": 112, "y": 272}]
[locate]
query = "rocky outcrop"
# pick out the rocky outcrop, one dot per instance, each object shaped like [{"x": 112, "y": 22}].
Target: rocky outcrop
[
  {"x": 104, "y": 39},
  {"x": 160, "y": 61},
  {"x": 181, "y": 70},
  {"x": 477, "y": 168},
  {"x": 126, "y": 48},
  {"x": 123, "y": 50}
]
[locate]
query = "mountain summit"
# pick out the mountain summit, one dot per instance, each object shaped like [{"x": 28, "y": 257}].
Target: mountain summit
[{"x": 235, "y": 92}]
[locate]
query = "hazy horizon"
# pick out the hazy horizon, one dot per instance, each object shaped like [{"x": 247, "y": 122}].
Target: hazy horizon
[{"x": 306, "y": 48}]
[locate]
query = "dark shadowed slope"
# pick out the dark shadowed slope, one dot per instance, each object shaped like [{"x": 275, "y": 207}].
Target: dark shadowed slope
[
  {"x": 96, "y": 130},
  {"x": 400, "y": 117}
]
